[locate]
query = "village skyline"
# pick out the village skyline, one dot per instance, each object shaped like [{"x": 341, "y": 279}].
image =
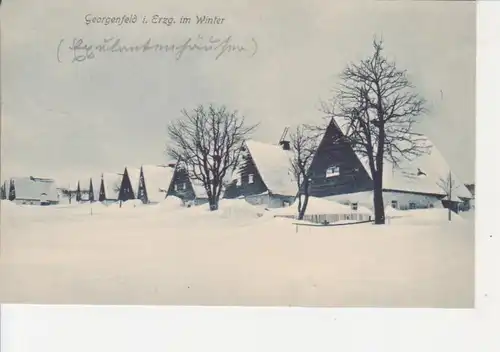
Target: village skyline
[{"x": 103, "y": 116}]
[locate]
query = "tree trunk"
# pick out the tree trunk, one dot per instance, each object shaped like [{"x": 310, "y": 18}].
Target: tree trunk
[
  {"x": 299, "y": 206},
  {"x": 304, "y": 206},
  {"x": 213, "y": 203},
  {"x": 378, "y": 200}
]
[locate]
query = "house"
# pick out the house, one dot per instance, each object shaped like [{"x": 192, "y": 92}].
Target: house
[
  {"x": 93, "y": 183},
  {"x": 339, "y": 173},
  {"x": 154, "y": 182},
  {"x": 3, "y": 192},
  {"x": 128, "y": 184},
  {"x": 148, "y": 183},
  {"x": 82, "y": 187},
  {"x": 190, "y": 191},
  {"x": 109, "y": 187},
  {"x": 264, "y": 175},
  {"x": 471, "y": 204},
  {"x": 32, "y": 191}
]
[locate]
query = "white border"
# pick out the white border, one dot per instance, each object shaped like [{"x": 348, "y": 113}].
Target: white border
[{"x": 85, "y": 328}]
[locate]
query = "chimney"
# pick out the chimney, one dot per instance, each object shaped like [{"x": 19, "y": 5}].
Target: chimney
[{"x": 285, "y": 145}]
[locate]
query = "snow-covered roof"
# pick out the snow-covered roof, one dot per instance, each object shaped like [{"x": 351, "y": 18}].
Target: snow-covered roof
[
  {"x": 157, "y": 180},
  {"x": 199, "y": 190},
  {"x": 96, "y": 184},
  {"x": 423, "y": 174},
  {"x": 32, "y": 188},
  {"x": 274, "y": 166},
  {"x": 84, "y": 186},
  {"x": 112, "y": 182},
  {"x": 134, "y": 175}
]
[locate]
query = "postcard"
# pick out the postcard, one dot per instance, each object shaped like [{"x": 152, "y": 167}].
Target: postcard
[{"x": 303, "y": 154}]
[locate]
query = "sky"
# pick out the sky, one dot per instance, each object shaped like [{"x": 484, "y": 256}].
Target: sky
[{"x": 71, "y": 120}]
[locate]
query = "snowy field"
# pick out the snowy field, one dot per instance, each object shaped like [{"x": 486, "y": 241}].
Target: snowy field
[{"x": 165, "y": 254}]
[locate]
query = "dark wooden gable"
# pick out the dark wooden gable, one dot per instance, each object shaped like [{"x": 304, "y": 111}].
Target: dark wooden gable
[
  {"x": 91, "y": 191},
  {"x": 181, "y": 185},
  {"x": 102, "y": 192},
  {"x": 12, "y": 190},
  {"x": 249, "y": 181},
  {"x": 335, "y": 168},
  {"x": 126, "y": 190},
  {"x": 142, "y": 193},
  {"x": 78, "y": 193}
]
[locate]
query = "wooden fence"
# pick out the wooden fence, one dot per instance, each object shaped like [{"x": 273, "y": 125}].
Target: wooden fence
[{"x": 330, "y": 218}]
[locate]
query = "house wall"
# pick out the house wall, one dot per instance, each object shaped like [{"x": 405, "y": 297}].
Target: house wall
[
  {"x": 109, "y": 201},
  {"x": 258, "y": 199},
  {"x": 195, "y": 202},
  {"x": 403, "y": 199},
  {"x": 34, "y": 202},
  {"x": 332, "y": 151},
  {"x": 27, "y": 201},
  {"x": 269, "y": 200},
  {"x": 279, "y": 201}
]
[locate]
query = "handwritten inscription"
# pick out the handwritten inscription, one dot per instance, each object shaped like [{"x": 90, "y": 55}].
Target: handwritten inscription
[
  {"x": 80, "y": 50},
  {"x": 126, "y": 19}
]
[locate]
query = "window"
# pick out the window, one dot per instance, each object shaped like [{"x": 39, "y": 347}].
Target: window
[
  {"x": 333, "y": 171},
  {"x": 413, "y": 206},
  {"x": 238, "y": 181},
  {"x": 394, "y": 204},
  {"x": 354, "y": 206},
  {"x": 250, "y": 178},
  {"x": 183, "y": 186}
]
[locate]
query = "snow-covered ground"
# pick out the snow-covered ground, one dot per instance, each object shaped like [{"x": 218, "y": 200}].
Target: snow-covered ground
[{"x": 166, "y": 254}]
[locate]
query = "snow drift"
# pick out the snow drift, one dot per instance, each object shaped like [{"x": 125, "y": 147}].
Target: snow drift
[{"x": 168, "y": 254}]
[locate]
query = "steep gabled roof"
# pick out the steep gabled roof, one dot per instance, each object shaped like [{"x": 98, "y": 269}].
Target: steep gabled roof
[
  {"x": 157, "y": 180},
  {"x": 96, "y": 184},
  {"x": 84, "y": 186},
  {"x": 423, "y": 174},
  {"x": 274, "y": 166},
  {"x": 134, "y": 174},
  {"x": 199, "y": 190},
  {"x": 112, "y": 182}
]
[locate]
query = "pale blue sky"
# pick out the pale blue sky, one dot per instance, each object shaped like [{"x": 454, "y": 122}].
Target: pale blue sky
[{"x": 68, "y": 121}]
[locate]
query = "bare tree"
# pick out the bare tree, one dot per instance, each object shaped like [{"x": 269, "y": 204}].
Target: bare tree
[
  {"x": 117, "y": 186},
  {"x": 304, "y": 143},
  {"x": 377, "y": 107},
  {"x": 68, "y": 193},
  {"x": 207, "y": 142},
  {"x": 449, "y": 186}
]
